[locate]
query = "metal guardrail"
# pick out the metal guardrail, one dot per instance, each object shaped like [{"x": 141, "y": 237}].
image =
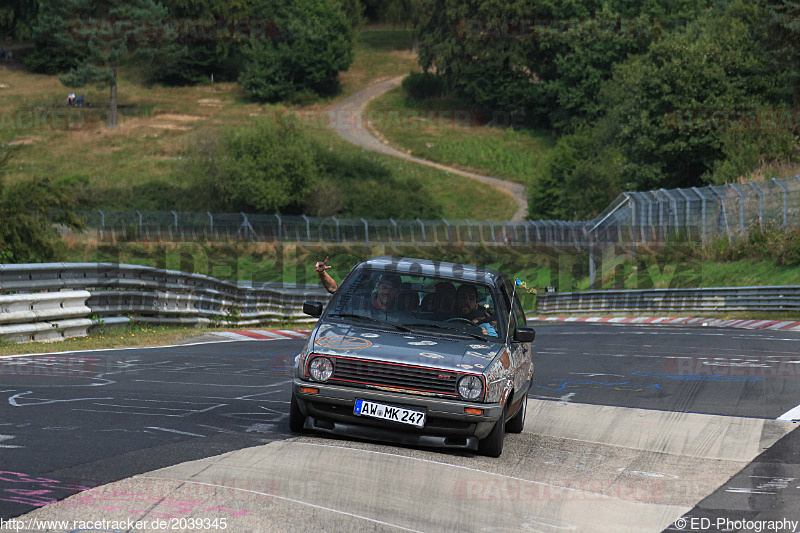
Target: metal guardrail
[
  {"x": 113, "y": 293},
  {"x": 648, "y": 217},
  {"x": 44, "y": 316},
  {"x": 47, "y": 306},
  {"x": 777, "y": 299}
]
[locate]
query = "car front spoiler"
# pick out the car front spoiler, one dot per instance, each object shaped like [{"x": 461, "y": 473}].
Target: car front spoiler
[
  {"x": 434, "y": 407},
  {"x": 390, "y": 435}
]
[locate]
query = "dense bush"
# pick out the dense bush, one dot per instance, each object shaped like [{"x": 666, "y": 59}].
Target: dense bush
[
  {"x": 314, "y": 44},
  {"x": 266, "y": 167},
  {"x": 257, "y": 168},
  {"x": 30, "y": 212},
  {"x": 660, "y": 127},
  {"x": 419, "y": 85},
  {"x": 768, "y": 242}
]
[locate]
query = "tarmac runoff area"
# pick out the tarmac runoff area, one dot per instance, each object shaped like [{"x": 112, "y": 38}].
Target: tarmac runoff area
[{"x": 575, "y": 467}]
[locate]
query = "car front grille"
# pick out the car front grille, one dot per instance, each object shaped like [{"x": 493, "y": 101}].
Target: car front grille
[{"x": 412, "y": 378}]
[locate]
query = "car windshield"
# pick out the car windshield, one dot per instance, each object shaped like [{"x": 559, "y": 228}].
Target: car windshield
[{"x": 418, "y": 302}]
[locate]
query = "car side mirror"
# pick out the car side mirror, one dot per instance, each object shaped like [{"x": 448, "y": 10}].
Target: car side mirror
[
  {"x": 524, "y": 334},
  {"x": 312, "y": 308}
]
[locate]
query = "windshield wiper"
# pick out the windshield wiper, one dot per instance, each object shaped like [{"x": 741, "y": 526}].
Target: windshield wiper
[
  {"x": 370, "y": 319},
  {"x": 440, "y": 326}
]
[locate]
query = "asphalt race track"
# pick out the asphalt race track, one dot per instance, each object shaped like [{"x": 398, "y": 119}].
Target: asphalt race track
[{"x": 629, "y": 429}]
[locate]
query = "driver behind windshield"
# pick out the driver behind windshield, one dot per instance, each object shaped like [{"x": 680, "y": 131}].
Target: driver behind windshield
[
  {"x": 467, "y": 308},
  {"x": 386, "y": 292}
]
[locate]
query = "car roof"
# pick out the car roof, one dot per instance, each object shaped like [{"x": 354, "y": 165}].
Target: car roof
[{"x": 427, "y": 267}]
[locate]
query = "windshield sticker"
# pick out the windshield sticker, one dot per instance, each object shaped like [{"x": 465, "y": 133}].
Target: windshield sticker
[
  {"x": 344, "y": 342},
  {"x": 478, "y": 346},
  {"x": 431, "y": 355},
  {"x": 423, "y": 343},
  {"x": 370, "y": 335}
]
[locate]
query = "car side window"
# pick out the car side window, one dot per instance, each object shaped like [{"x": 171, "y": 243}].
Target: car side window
[{"x": 518, "y": 318}]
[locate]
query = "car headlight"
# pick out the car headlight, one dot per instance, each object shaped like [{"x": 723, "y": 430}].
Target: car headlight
[
  {"x": 321, "y": 369},
  {"x": 470, "y": 387}
]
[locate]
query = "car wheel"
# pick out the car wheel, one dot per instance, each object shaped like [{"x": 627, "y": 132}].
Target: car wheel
[
  {"x": 296, "y": 418},
  {"x": 492, "y": 444},
  {"x": 517, "y": 422}
]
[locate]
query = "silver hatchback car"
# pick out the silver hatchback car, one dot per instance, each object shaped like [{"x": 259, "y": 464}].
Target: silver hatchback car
[{"x": 418, "y": 352}]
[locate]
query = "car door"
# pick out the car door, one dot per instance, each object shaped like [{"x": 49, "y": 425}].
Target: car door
[{"x": 520, "y": 352}]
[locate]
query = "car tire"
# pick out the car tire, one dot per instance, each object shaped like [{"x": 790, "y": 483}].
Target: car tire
[
  {"x": 296, "y": 418},
  {"x": 492, "y": 444},
  {"x": 517, "y": 421}
]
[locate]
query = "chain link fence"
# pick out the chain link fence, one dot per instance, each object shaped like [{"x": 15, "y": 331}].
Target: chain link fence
[{"x": 650, "y": 218}]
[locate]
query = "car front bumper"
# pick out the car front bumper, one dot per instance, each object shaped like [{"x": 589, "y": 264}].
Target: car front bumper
[{"x": 446, "y": 423}]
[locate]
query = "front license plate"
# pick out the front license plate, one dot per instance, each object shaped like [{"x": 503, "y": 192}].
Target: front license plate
[{"x": 389, "y": 412}]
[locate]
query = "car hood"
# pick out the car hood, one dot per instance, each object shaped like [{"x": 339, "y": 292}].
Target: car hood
[{"x": 434, "y": 351}]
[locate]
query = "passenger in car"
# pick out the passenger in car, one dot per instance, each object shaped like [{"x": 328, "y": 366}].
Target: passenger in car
[
  {"x": 442, "y": 300},
  {"x": 327, "y": 281}
]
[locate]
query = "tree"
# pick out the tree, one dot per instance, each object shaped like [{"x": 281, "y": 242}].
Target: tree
[
  {"x": 354, "y": 12},
  {"x": 17, "y": 18},
  {"x": 543, "y": 60},
  {"x": 781, "y": 35},
  {"x": 201, "y": 56},
  {"x": 258, "y": 168},
  {"x": 101, "y": 34},
  {"x": 667, "y": 109},
  {"x": 413, "y": 13},
  {"x": 314, "y": 44},
  {"x": 30, "y": 212}
]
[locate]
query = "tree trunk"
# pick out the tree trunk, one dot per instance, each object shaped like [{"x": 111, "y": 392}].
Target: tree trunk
[{"x": 112, "y": 104}]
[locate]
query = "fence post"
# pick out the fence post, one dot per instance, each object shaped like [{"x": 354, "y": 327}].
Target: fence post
[
  {"x": 760, "y": 203},
  {"x": 211, "y": 219},
  {"x": 632, "y": 201},
  {"x": 724, "y": 213},
  {"x": 338, "y": 241},
  {"x": 175, "y": 217},
  {"x": 308, "y": 229},
  {"x": 102, "y": 224},
  {"x": 471, "y": 236},
  {"x": 688, "y": 208},
  {"x": 395, "y": 229},
  {"x": 785, "y": 206},
  {"x": 280, "y": 228},
  {"x": 140, "y": 223},
  {"x": 421, "y": 225},
  {"x": 741, "y": 207},
  {"x": 448, "y": 229},
  {"x": 702, "y": 214},
  {"x": 366, "y": 233}
]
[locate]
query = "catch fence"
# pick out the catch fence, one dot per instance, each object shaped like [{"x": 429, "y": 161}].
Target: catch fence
[{"x": 650, "y": 218}]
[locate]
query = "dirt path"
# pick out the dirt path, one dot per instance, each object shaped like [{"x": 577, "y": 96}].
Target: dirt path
[{"x": 346, "y": 118}]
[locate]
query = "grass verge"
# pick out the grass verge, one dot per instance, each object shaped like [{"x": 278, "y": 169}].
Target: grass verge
[
  {"x": 109, "y": 338},
  {"x": 140, "y": 164},
  {"x": 445, "y": 131},
  {"x": 130, "y": 336}
]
